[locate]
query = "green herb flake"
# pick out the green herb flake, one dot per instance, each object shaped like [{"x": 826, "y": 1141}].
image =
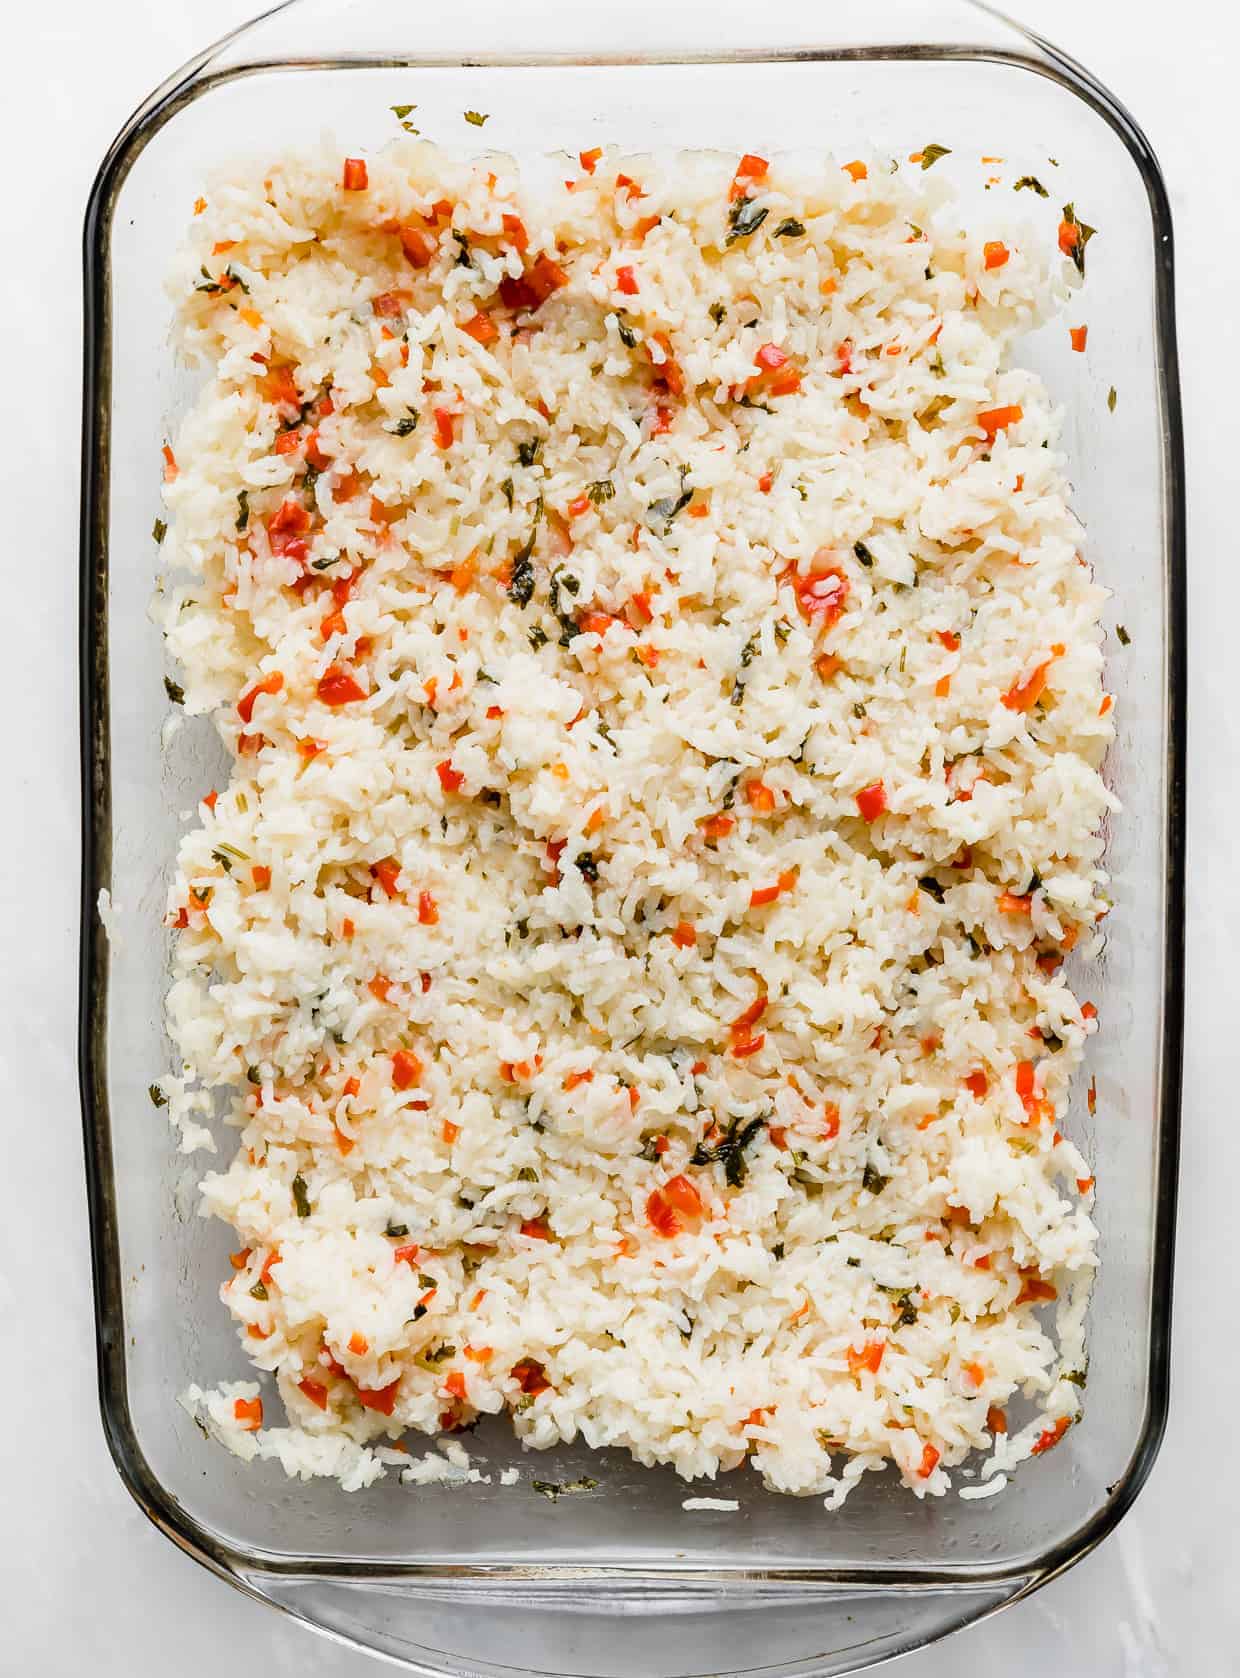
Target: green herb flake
[
  {"x": 718, "y": 313},
  {"x": 731, "y": 1151},
  {"x": 663, "y": 511},
  {"x": 521, "y": 583},
  {"x": 1084, "y": 233},
  {"x": 259, "y": 1290},
  {"x": 931, "y": 887},
  {"x": 549, "y": 1489},
  {"x": 477, "y": 118},
  {"x": 1111, "y": 399},
  {"x": 864, "y": 556},
  {"x": 243, "y": 509},
  {"x": 506, "y": 492},
  {"x": 745, "y": 217},
  {"x": 790, "y": 228},
  {"x": 1124, "y": 638},
  {"x": 528, "y": 452},
  {"x": 157, "y": 1095},
  {"x": 627, "y": 335},
  {"x": 301, "y": 1199},
  {"x": 402, "y": 111},
  {"x": 1034, "y": 185},
  {"x": 601, "y": 490},
  {"x": 159, "y": 530},
  {"x": 527, "y": 1174},
  {"x": 873, "y": 1180},
  {"x": 396, "y": 1230},
  {"x": 930, "y": 155},
  {"x": 174, "y": 690},
  {"x": 403, "y": 426}
]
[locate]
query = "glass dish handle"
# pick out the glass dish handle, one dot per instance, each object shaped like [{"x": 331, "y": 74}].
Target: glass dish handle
[{"x": 619, "y": 1627}]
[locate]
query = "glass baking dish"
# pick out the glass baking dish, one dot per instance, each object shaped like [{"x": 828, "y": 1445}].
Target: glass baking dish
[{"x": 623, "y": 1580}]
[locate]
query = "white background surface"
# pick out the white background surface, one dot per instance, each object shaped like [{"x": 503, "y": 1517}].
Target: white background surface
[{"x": 86, "y": 1585}]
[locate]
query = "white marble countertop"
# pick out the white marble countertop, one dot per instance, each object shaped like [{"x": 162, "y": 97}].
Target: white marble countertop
[{"x": 88, "y": 1585}]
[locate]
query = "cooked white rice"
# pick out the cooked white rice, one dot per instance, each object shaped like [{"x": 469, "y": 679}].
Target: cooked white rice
[{"x": 470, "y": 947}]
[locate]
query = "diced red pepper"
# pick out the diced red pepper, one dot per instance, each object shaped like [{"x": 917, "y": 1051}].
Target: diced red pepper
[
  {"x": 626, "y": 281},
  {"x": 290, "y": 521},
  {"x": 530, "y": 1376},
  {"x": 995, "y": 253},
  {"x": 315, "y": 1391},
  {"x": 382, "y": 1399},
  {"x": 762, "y": 895},
  {"x": 419, "y": 249},
  {"x": 1010, "y": 904},
  {"x": 749, "y": 171},
  {"x": 1024, "y": 695},
  {"x": 761, "y": 798},
  {"x": 444, "y": 420},
  {"x": 994, "y": 420},
  {"x": 337, "y": 686},
  {"x": 1050, "y": 1437},
  {"x": 1034, "y": 1291},
  {"x": 1077, "y": 336},
  {"x": 271, "y": 683},
  {"x": 831, "y": 1121},
  {"x": 684, "y": 936},
  {"x": 821, "y": 595},
  {"x": 428, "y": 912},
  {"x": 514, "y": 227},
  {"x": 450, "y": 779},
  {"x": 355, "y": 175},
  {"x": 390, "y": 305},
  {"x": 857, "y": 170},
  {"x": 872, "y": 801},
  {"x": 406, "y": 1069},
  {"x": 481, "y": 328},
  {"x": 769, "y": 357},
  {"x": 588, "y": 159},
  {"x": 977, "y": 1084},
  {"x": 929, "y": 1462},
  {"x": 387, "y": 873},
  {"x": 868, "y": 1357},
  {"x": 536, "y": 1229},
  {"x": 249, "y": 1412},
  {"x": 261, "y": 875}
]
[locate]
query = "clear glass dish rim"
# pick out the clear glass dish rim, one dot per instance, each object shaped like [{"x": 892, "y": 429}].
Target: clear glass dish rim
[{"x": 238, "y": 1566}]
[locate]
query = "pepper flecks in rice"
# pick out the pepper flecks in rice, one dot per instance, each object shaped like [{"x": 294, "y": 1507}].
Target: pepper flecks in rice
[{"x": 479, "y": 674}]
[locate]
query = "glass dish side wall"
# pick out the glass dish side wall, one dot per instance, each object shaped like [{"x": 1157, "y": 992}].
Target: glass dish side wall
[{"x": 157, "y": 1264}]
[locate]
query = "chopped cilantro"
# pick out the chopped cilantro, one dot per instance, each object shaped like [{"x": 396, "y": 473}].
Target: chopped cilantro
[
  {"x": 745, "y": 217},
  {"x": 174, "y": 690},
  {"x": 1034, "y": 185},
  {"x": 1124, "y": 638},
  {"x": 301, "y": 1199},
  {"x": 243, "y": 509},
  {"x": 1084, "y": 233},
  {"x": 157, "y": 1095},
  {"x": 521, "y": 584},
  {"x": 159, "y": 530},
  {"x": 930, "y": 155},
  {"x": 790, "y": 228},
  {"x": 477, "y": 118}
]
